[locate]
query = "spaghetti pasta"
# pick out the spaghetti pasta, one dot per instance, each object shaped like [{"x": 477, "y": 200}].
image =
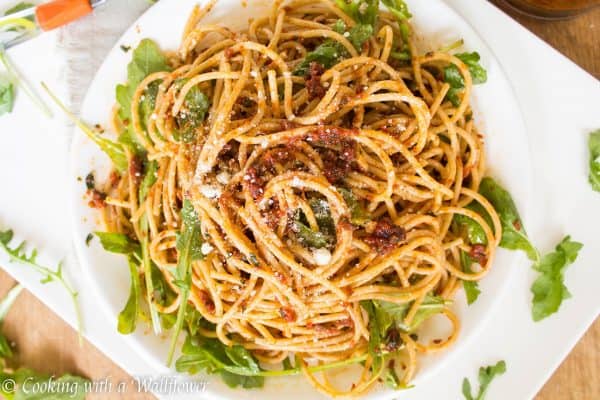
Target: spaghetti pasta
[{"x": 326, "y": 189}]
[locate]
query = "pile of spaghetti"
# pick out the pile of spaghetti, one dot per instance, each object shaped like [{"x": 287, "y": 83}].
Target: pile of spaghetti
[{"x": 294, "y": 189}]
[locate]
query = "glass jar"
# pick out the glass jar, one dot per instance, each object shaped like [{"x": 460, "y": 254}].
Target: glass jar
[{"x": 553, "y": 9}]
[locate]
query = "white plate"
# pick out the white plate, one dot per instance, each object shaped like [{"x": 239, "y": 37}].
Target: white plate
[{"x": 497, "y": 115}]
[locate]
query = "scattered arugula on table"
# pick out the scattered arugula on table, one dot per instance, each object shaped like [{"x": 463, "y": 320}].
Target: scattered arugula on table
[
  {"x": 189, "y": 247},
  {"x": 75, "y": 385},
  {"x": 454, "y": 78},
  {"x": 594, "y": 150},
  {"x": 19, "y": 254},
  {"x": 549, "y": 289},
  {"x": 486, "y": 376}
]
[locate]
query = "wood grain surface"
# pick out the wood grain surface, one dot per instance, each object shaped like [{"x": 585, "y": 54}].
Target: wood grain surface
[{"x": 44, "y": 342}]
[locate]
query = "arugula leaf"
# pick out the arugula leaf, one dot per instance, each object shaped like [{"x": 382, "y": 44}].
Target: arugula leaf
[
  {"x": 471, "y": 287},
  {"x": 235, "y": 364},
  {"x": 146, "y": 59},
  {"x": 118, "y": 243},
  {"x": 163, "y": 295},
  {"x": 514, "y": 236},
  {"x": 358, "y": 215},
  {"x": 327, "y": 54},
  {"x": 128, "y": 316},
  {"x": 150, "y": 177},
  {"x": 191, "y": 116},
  {"x": 453, "y": 76},
  {"x": 548, "y": 289},
  {"x": 112, "y": 149},
  {"x": 594, "y": 149},
  {"x": 19, "y": 255},
  {"x": 309, "y": 238},
  {"x": 400, "y": 10},
  {"x": 361, "y": 11},
  {"x": 430, "y": 306},
  {"x": 189, "y": 244},
  {"x": 7, "y": 96},
  {"x": 331, "y": 52},
  {"x": 486, "y": 376}
]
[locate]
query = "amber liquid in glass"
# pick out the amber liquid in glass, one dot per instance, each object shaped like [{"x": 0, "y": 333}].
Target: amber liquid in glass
[{"x": 554, "y": 8}]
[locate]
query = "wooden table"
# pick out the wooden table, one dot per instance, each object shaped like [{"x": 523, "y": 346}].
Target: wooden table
[{"x": 44, "y": 342}]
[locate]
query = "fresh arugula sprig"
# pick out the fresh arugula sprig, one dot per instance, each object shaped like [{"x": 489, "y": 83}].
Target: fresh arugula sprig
[
  {"x": 362, "y": 11},
  {"x": 594, "y": 150},
  {"x": 191, "y": 116},
  {"x": 113, "y": 150},
  {"x": 200, "y": 354},
  {"x": 486, "y": 376},
  {"x": 514, "y": 236},
  {"x": 454, "y": 78},
  {"x": 399, "y": 9},
  {"x": 147, "y": 58},
  {"x": 19, "y": 254},
  {"x": 549, "y": 289},
  {"x": 386, "y": 317},
  {"x": 358, "y": 214},
  {"x": 471, "y": 288},
  {"x": 189, "y": 247},
  {"x": 325, "y": 236}
]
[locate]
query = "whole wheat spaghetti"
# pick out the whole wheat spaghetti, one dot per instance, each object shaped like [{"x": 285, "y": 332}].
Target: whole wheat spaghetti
[{"x": 325, "y": 190}]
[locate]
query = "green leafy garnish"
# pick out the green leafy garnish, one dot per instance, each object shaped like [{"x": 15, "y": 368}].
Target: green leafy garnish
[
  {"x": 150, "y": 177},
  {"x": 400, "y": 10},
  {"x": 19, "y": 255},
  {"x": 486, "y": 375},
  {"x": 189, "y": 244},
  {"x": 471, "y": 287},
  {"x": 191, "y": 116},
  {"x": 146, "y": 59},
  {"x": 549, "y": 289},
  {"x": 7, "y": 96},
  {"x": 128, "y": 316},
  {"x": 327, "y": 54},
  {"x": 358, "y": 215},
  {"x": 325, "y": 236},
  {"x": 594, "y": 149},
  {"x": 514, "y": 236},
  {"x": 112, "y": 149},
  {"x": 361, "y": 11},
  {"x": 453, "y": 77},
  {"x": 118, "y": 243},
  {"x": 235, "y": 364},
  {"x": 395, "y": 313}
]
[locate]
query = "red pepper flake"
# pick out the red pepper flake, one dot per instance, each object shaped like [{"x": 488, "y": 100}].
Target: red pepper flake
[{"x": 287, "y": 313}]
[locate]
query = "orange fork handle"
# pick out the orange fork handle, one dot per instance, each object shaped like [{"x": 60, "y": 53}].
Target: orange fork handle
[{"x": 60, "y": 12}]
